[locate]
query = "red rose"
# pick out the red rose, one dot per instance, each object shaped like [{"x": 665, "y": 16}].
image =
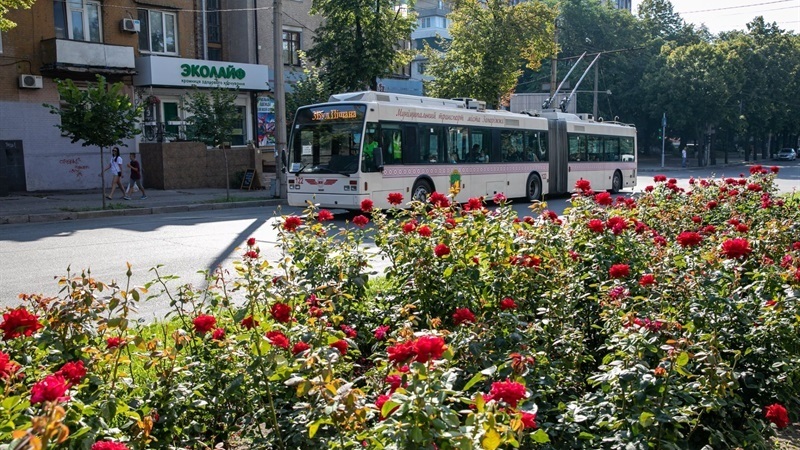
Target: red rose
[
  {"x": 440, "y": 200},
  {"x": 603, "y": 198},
  {"x": 401, "y": 353},
  {"x": 395, "y": 198},
  {"x": 428, "y": 348},
  {"x": 689, "y": 239},
  {"x": 108, "y": 445},
  {"x": 776, "y": 413},
  {"x": 366, "y": 205},
  {"x": 394, "y": 381},
  {"x": 204, "y": 323},
  {"x": 424, "y": 231},
  {"x": 774, "y": 169},
  {"x": 409, "y": 226},
  {"x": 73, "y": 371},
  {"x": 349, "y": 331},
  {"x": 617, "y": 224},
  {"x": 360, "y": 221},
  {"x": 114, "y": 342},
  {"x": 252, "y": 254},
  {"x": 441, "y": 250},
  {"x": 53, "y": 388},
  {"x": 596, "y": 225},
  {"x": 528, "y": 420},
  {"x": 280, "y": 312},
  {"x": 380, "y": 332},
  {"x": 379, "y": 402},
  {"x": 736, "y": 248},
  {"x": 19, "y": 322},
  {"x": 619, "y": 271},
  {"x": 660, "y": 178},
  {"x": 463, "y": 315},
  {"x": 583, "y": 185},
  {"x": 510, "y": 392},
  {"x": 251, "y": 242},
  {"x": 756, "y": 169},
  {"x": 248, "y": 323},
  {"x": 8, "y": 368},
  {"x": 340, "y": 345},
  {"x": 647, "y": 280},
  {"x": 291, "y": 223},
  {"x": 474, "y": 204},
  {"x": 300, "y": 347},
  {"x": 507, "y": 303},
  {"x": 218, "y": 334},
  {"x": 499, "y": 198},
  {"x": 324, "y": 215},
  {"x": 278, "y": 339}
]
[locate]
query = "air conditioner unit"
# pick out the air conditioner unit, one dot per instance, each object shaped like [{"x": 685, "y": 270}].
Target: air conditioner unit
[
  {"x": 30, "y": 82},
  {"x": 130, "y": 25}
]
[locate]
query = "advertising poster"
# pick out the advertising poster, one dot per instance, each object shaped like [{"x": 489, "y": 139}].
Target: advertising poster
[{"x": 266, "y": 121}]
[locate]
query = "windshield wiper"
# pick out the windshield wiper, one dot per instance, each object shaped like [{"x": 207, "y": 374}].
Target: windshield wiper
[
  {"x": 327, "y": 170},
  {"x": 302, "y": 168}
]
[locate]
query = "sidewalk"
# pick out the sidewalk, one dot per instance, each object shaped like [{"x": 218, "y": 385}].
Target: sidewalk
[
  {"x": 652, "y": 163},
  {"x": 24, "y": 207}
]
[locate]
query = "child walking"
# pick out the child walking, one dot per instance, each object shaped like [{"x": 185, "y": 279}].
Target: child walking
[{"x": 136, "y": 175}]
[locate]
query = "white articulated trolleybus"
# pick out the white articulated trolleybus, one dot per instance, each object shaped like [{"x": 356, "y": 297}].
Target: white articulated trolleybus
[{"x": 369, "y": 144}]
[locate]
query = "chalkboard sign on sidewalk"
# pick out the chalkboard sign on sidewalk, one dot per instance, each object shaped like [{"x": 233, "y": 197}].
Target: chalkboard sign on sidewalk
[{"x": 248, "y": 179}]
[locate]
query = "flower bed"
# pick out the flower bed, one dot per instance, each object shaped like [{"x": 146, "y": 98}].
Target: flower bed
[{"x": 668, "y": 320}]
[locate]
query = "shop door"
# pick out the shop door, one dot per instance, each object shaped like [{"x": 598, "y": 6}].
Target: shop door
[{"x": 12, "y": 167}]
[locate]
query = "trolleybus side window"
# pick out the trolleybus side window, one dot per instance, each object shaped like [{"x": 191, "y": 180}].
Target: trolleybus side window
[
  {"x": 458, "y": 142},
  {"x": 627, "y": 149},
  {"x": 431, "y": 144},
  {"x": 480, "y": 143},
  {"x": 511, "y": 145},
  {"x": 392, "y": 138},
  {"x": 371, "y": 146},
  {"x": 611, "y": 152},
  {"x": 577, "y": 148},
  {"x": 535, "y": 146}
]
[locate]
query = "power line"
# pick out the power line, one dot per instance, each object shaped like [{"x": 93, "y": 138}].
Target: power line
[{"x": 735, "y": 7}]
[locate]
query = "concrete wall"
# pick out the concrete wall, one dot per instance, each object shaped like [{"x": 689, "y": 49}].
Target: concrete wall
[{"x": 186, "y": 165}]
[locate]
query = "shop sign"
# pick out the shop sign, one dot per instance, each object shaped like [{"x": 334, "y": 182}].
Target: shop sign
[{"x": 166, "y": 71}]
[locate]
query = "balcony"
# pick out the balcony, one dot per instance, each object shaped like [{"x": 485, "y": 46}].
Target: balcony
[{"x": 62, "y": 55}]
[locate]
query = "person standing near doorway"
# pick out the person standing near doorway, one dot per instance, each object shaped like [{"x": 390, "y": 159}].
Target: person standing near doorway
[
  {"x": 116, "y": 169},
  {"x": 683, "y": 157},
  {"x": 136, "y": 175}
]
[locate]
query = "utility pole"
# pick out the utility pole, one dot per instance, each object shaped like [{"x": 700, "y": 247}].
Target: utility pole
[
  {"x": 554, "y": 64},
  {"x": 594, "y": 110},
  {"x": 280, "y": 97}
]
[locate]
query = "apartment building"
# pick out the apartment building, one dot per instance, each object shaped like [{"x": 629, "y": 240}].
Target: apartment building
[{"x": 157, "y": 48}]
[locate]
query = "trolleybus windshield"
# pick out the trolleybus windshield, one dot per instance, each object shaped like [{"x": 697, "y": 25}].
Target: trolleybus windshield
[{"x": 327, "y": 139}]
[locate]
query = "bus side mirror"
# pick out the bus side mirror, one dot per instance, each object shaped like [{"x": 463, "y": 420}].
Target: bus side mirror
[
  {"x": 377, "y": 158},
  {"x": 284, "y": 160}
]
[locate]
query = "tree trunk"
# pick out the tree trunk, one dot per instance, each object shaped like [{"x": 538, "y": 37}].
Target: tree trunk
[{"x": 102, "y": 178}]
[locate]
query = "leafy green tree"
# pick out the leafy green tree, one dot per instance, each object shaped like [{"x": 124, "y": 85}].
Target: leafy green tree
[
  {"x": 213, "y": 116},
  {"x": 358, "y": 41},
  {"x": 6, "y": 6},
  {"x": 491, "y": 41},
  {"x": 312, "y": 88},
  {"x": 101, "y": 115}
]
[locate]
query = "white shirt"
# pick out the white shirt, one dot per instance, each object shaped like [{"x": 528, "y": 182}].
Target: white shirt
[{"x": 116, "y": 164}]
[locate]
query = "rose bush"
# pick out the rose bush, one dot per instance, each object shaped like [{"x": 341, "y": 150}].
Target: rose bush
[{"x": 668, "y": 320}]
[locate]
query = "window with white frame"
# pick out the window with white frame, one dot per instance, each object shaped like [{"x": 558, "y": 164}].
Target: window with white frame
[
  {"x": 159, "y": 31},
  {"x": 78, "y": 20}
]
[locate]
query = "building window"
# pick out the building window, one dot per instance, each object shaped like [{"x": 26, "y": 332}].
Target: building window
[
  {"x": 213, "y": 22},
  {"x": 291, "y": 45},
  {"x": 77, "y": 20},
  {"x": 403, "y": 71},
  {"x": 159, "y": 32}
]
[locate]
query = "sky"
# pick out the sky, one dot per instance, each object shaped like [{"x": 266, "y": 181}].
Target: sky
[{"x": 727, "y": 15}]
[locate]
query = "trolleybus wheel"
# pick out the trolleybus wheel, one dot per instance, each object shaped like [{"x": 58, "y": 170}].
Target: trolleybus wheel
[
  {"x": 534, "y": 187},
  {"x": 422, "y": 189},
  {"x": 616, "y": 182}
]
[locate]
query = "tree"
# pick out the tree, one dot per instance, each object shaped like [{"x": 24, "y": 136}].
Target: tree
[
  {"x": 491, "y": 41},
  {"x": 358, "y": 42},
  {"x": 101, "y": 115},
  {"x": 6, "y": 6},
  {"x": 213, "y": 116},
  {"x": 311, "y": 89}
]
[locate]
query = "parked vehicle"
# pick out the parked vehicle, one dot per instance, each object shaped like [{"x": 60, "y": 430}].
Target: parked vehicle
[{"x": 786, "y": 154}]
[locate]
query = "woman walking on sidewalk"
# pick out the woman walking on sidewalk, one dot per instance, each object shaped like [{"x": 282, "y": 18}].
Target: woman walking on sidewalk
[
  {"x": 136, "y": 175},
  {"x": 116, "y": 169}
]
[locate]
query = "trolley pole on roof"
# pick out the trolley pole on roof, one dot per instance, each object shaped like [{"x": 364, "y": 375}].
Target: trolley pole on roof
[{"x": 663, "y": 137}]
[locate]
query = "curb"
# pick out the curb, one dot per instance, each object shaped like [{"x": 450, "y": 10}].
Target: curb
[
  {"x": 57, "y": 217},
  {"x": 690, "y": 169}
]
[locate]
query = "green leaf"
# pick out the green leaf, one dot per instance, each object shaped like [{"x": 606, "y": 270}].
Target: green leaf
[
  {"x": 312, "y": 429},
  {"x": 540, "y": 437},
  {"x": 584, "y": 436},
  {"x": 447, "y": 272},
  {"x": 646, "y": 418},
  {"x": 388, "y": 407},
  {"x": 475, "y": 379},
  {"x": 491, "y": 440},
  {"x": 682, "y": 360}
]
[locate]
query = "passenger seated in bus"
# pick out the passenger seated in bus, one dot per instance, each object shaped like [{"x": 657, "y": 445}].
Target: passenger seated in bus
[
  {"x": 474, "y": 152},
  {"x": 453, "y": 159},
  {"x": 482, "y": 157}
]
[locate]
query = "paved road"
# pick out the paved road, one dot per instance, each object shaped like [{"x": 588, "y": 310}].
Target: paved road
[{"x": 31, "y": 255}]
